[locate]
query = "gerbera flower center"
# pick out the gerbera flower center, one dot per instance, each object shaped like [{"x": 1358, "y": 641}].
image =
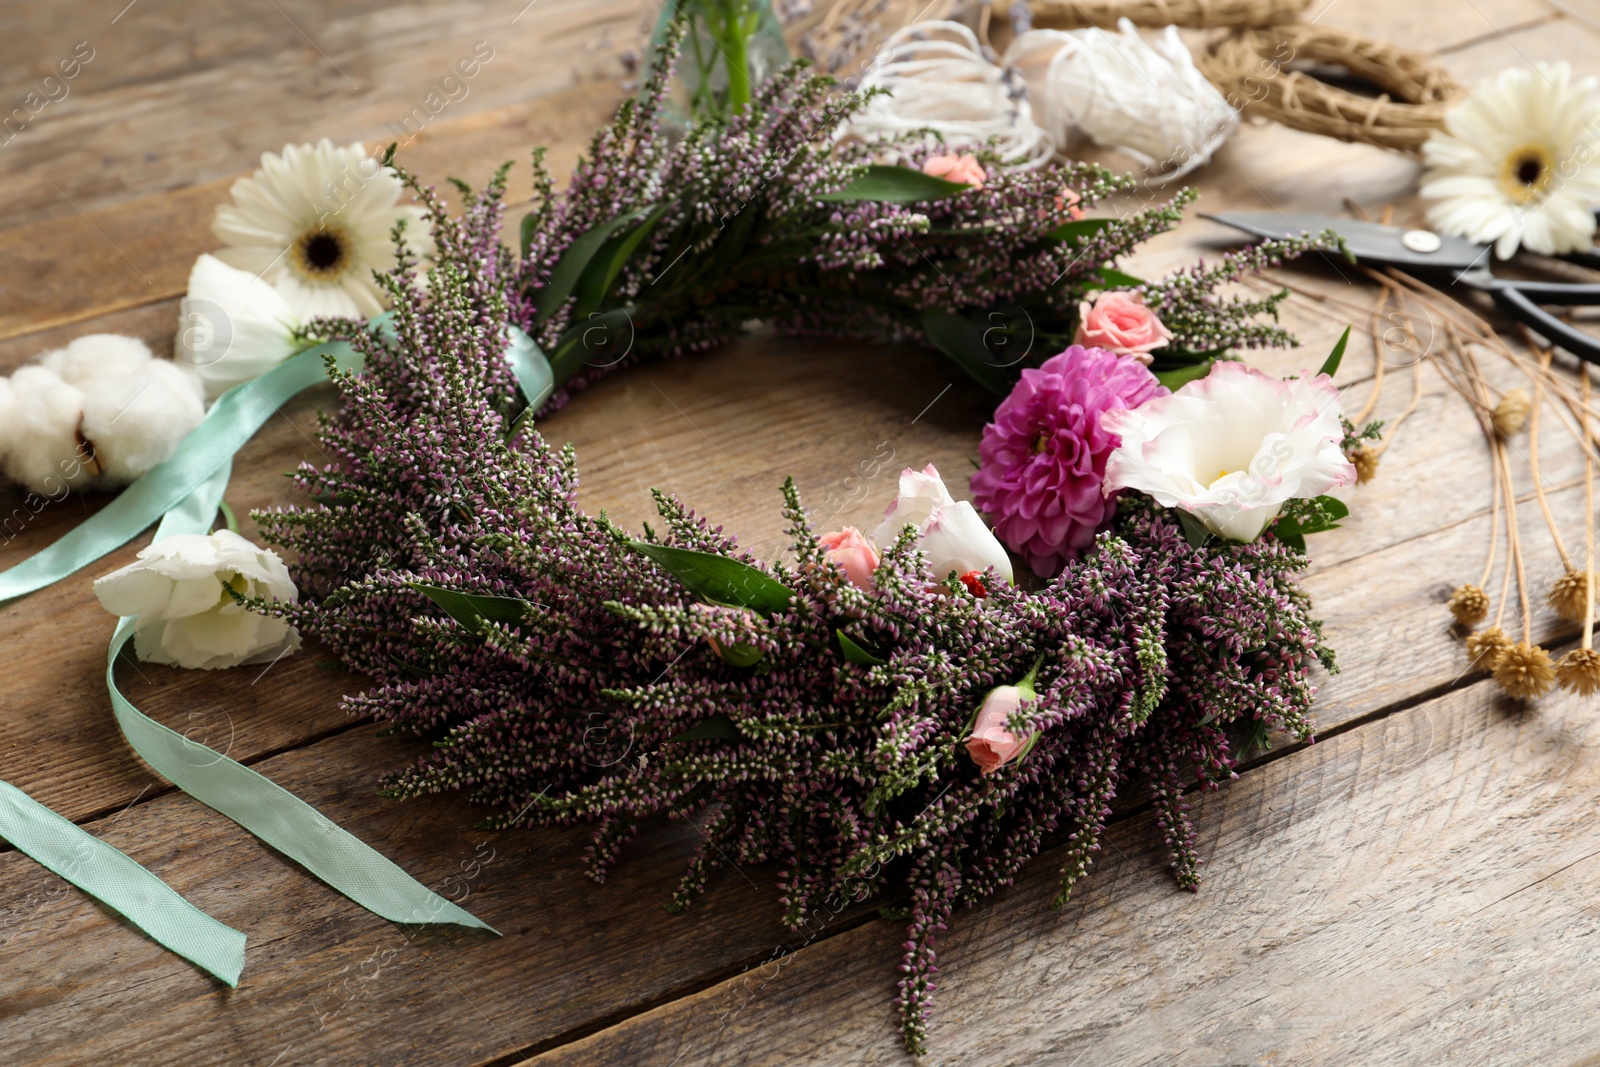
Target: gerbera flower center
[
  {"x": 1527, "y": 172},
  {"x": 322, "y": 253}
]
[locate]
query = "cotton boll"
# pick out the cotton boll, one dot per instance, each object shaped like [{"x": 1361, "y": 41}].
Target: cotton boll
[
  {"x": 42, "y": 433},
  {"x": 97, "y": 355},
  {"x": 136, "y": 420}
]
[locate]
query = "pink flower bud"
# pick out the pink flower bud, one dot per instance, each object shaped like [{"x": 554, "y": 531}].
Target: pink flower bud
[
  {"x": 962, "y": 168},
  {"x": 853, "y": 554},
  {"x": 991, "y": 745}
]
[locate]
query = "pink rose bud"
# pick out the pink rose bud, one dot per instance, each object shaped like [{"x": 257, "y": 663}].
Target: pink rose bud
[
  {"x": 1068, "y": 202},
  {"x": 991, "y": 745},
  {"x": 1119, "y": 322},
  {"x": 853, "y": 554},
  {"x": 962, "y": 168}
]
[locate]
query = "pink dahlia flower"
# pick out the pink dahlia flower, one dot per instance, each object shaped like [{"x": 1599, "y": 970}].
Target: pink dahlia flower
[{"x": 1044, "y": 455}]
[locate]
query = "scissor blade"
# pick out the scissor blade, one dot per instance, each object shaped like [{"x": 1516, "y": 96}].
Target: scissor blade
[{"x": 1368, "y": 241}]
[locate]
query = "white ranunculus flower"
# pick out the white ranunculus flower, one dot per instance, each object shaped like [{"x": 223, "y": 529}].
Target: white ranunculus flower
[
  {"x": 232, "y": 326},
  {"x": 953, "y": 536},
  {"x": 179, "y": 589},
  {"x": 1232, "y": 448}
]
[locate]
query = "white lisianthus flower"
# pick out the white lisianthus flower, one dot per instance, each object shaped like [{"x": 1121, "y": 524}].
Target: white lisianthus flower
[
  {"x": 952, "y": 534},
  {"x": 315, "y": 222},
  {"x": 1518, "y": 163},
  {"x": 232, "y": 326},
  {"x": 179, "y": 588},
  {"x": 1231, "y": 448}
]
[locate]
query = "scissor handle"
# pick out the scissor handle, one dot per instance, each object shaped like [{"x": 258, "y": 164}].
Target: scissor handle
[{"x": 1517, "y": 298}]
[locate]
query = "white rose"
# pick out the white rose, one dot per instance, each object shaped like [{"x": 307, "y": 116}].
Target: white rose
[
  {"x": 179, "y": 589},
  {"x": 1232, "y": 448},
  {"x": 232, "y": 326},
  {"x": 952, "y": 534}
]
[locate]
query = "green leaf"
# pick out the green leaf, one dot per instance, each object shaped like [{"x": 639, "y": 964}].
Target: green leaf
[
  {"x": 528, "y": 221},
  {"x": 719, "y": 579},
  {"x": 575, "y": 260},
  {"x": 1078, "y": 229},
  {"x": 1334, "y": 508},
  {"x": 963, "y": 341},
  {"x": 1330, "y": 366},
  {"x": 1178, "y": 377},
  {"x": 1194, "y": 531},
  {"x": 854, "y": 653},
  {"x": 602, "y": 271},
  {"x": 740, "y": 654},
  {"x": 1117, "y": 279},
  {"x": 586, "y": 336},
  {"x": 1288, "y": 531},
  {"x": 714, "y": 727},
  {"x": 470, "y": 609},
  {"x": 894, "y": 185},
  {"x": 415, "y": 672}
]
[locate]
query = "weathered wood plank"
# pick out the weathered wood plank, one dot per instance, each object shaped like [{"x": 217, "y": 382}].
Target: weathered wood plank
[
  {"x": 1413, "y": 891},
  {"x": 326, "y": 982},
  {"x": 67, "y": 270},
  {"x": 170, "y": 98}
]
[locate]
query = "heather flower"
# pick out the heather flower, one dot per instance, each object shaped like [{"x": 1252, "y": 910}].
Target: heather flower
[
  {"x": 1044, "y": 455},
  {"x": 1232, "y": 448}
]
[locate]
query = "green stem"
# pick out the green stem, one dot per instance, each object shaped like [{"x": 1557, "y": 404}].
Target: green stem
[{"x": 736, "y": 52}]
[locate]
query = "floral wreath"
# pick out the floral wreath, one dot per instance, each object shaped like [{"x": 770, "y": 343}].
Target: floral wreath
[{"x": 895, "y": 714}]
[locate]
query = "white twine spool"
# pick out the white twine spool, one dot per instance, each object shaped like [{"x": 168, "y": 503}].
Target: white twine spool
[
  {"x": 941, "y": 80},
  {"x": 1142, "y": 98}
]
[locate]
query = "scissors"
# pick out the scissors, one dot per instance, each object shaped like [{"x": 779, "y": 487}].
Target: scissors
[{"x": 1425, "y": 253}]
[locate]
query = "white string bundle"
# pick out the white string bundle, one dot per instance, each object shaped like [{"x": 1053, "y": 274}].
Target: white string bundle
[
  {"x": 1142, "y": 97},
  {"x": 1123, "y": 92},
  {"x": 941, "y": 80}
]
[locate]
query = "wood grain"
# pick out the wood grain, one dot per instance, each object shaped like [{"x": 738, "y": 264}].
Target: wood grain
[
  {"x": 1414, "y": 891},
  {"x": 327, "y": 983},
  {"x": 1409, "y": 889}
]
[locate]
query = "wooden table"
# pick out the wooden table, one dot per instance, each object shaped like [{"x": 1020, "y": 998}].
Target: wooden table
[{"x": 1413, "y": 888}]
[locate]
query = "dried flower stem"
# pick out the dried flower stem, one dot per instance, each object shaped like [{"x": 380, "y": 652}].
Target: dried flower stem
[
  {"x": 1588, "y": 515},
  {"x": 1533, "y": 454},
  {"x": 1378, "y": 362}
]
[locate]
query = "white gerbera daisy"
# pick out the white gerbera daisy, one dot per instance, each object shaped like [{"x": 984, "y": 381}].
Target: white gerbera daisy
[
  {"x": 1518, "y": 163},
  {"x": 315, "y": 223}
]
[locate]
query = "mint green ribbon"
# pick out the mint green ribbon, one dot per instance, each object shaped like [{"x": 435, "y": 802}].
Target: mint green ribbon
[
  {"x": 184, "y": 494},
  {"x": 107, "y": 874}
]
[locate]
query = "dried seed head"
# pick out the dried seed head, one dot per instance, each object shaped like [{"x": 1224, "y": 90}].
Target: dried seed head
[
  {"x": 1485, "y": 647},
  {"x": 1579, "y": 671},
  {"x": 1568, "y": 595},
  {"x": 1524, "y": 671},
  {"x": 1469, "y": 604},
  {"x": 1365, "y": 461},
  {"x": 1511, "y": 414}
]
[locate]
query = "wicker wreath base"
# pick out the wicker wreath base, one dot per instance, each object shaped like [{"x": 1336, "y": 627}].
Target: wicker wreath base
[
  {"x": 1249, "y": 67},
  {"x": 1191, "y": 14}
]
